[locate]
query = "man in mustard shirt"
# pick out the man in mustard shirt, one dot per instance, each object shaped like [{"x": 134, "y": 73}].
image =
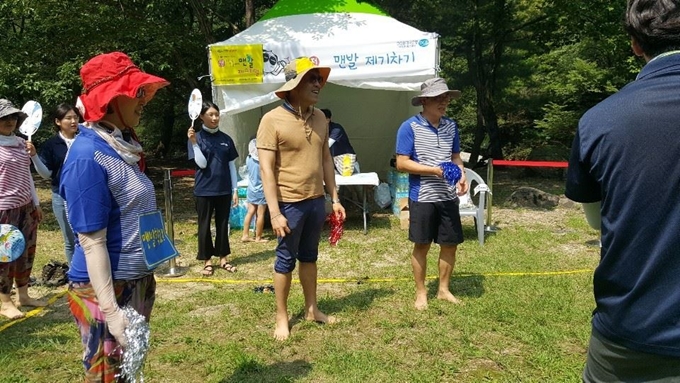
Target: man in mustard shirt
[{"x": 295, "y": 162}]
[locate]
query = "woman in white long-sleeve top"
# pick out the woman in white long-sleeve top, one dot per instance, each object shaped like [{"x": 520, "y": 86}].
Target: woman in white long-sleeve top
[{"x": 215, "y": 187}]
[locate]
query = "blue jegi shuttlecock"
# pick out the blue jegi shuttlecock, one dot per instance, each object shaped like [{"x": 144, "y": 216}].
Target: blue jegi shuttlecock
[{"x": 450, "y": 172}]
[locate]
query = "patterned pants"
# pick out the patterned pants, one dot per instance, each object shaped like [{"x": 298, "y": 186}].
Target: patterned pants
[
  {"x": 18, "y": 272},
  {"x": 101, "y": 357}
]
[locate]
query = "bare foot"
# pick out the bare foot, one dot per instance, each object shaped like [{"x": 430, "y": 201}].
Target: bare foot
[
  {"x": 319, "y": 317},
  {"x": 421, "y": 301},
  {"x": 261, "y": 240},
  {"x": 11, "y": 312},
  {"x": 447, "y": 296},
  {"x": 281, "y": 331},
  {"x": 30, "y": 302},
  {"x": 246, "y": 239}
]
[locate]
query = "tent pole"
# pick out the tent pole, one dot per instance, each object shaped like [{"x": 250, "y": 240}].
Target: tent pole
[{"x": 489, "y": 228}]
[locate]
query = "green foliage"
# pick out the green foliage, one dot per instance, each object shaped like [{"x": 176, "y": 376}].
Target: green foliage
[
  {"x": 557, "y": 124},
  {"x": 528, "y": 68},
  {"x": 540, "y": 63},
  {"x": 48, "y": 41}
]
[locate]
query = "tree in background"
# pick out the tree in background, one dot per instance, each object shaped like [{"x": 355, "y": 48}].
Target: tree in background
[
  {"x": 534, "y": 66},
  {"x": 48, "y": 41},
  {"x": 528, "y": 68}
]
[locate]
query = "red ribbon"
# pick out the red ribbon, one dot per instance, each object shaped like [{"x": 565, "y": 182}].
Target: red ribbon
[
  {"x": 336, "y": 224},
  {"x": 535, "y": 164},
  {"x": 182, "y": 173}
]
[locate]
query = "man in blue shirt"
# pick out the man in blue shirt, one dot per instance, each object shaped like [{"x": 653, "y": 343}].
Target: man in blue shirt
[
  {"x": 624, "y": 169},
  {"x": 424, "y": 141}
]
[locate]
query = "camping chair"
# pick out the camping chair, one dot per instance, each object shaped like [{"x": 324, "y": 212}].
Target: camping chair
[{"x": 467, "y": 206}]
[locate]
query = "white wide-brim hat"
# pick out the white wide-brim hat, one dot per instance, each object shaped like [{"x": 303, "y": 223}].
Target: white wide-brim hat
[{"x": 433, "y": 88}]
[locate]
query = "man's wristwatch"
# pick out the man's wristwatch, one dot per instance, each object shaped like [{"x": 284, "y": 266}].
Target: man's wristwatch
[{"x": 335, "y": 201}]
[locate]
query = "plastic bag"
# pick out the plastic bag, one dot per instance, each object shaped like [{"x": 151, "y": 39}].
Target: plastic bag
[
  {"x": 465, "y": 201},
  {"x": 382, "y": 195},
  {"x": 337, "y": 229},
  {"x": 344, "y": 164}
]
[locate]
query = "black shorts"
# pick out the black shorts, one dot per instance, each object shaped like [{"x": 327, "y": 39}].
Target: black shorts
[
  {"x": 435, "y": 221},
  {"x": 608, "y": 361}
]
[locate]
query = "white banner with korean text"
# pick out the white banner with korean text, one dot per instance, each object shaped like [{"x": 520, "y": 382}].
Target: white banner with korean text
[{"x": 393, "y": 59}]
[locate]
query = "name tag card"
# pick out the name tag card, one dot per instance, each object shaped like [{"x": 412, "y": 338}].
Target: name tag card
[{"x": 156, "y": 245}]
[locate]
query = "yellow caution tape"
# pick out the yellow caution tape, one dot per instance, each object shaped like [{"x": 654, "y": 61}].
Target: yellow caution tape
[{"x": 367, "y": 279}]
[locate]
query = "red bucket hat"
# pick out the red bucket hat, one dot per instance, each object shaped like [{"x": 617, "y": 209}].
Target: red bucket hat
[{"x": 113, "y": 74}]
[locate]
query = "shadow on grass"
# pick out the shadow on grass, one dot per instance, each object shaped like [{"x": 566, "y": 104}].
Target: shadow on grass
[
  {"x": 374, "y": 221},
  {"x": 471, "y": 286},
  {"x": 469, "y": 230},
  {"x": 593, "y": 243},
  {"x": 360, "y": 301},
  {"x": 255, "y": 257},
  {"x": 38, "y": 331},
  {"x": 255, "y": 372}
]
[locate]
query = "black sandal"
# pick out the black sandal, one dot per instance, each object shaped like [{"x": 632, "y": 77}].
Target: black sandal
[
  {"x": 208, "y": 271},
  {"x": 228, "y": 267}
]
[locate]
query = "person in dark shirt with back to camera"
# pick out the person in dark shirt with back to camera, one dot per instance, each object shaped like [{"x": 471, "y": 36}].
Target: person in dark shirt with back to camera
[
  {"x": 624, "y": 169},
  {"x": 341, "y": 149}
]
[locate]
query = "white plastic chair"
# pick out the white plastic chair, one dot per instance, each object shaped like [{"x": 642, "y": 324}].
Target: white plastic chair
[{"x": 467, "y": 206}]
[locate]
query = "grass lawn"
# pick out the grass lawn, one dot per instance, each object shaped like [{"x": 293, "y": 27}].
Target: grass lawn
[{"x": 527, "y": 297}]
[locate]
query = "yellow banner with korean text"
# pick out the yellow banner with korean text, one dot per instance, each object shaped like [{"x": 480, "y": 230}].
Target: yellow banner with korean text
[{"x": 236, "y": 64}]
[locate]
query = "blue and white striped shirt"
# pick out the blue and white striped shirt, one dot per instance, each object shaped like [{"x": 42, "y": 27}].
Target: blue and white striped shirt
[
  {"x": 427, "y": 145},
  {"x": 103, "y": 191}
]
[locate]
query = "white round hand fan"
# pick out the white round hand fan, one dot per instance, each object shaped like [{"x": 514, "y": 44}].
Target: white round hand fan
[
  {"x": 195, "y": 104},
  {"x": 32, "y": 122}
]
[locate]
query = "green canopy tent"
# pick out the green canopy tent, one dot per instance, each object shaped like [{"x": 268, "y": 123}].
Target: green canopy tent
[{"x": 377, "y": 65}]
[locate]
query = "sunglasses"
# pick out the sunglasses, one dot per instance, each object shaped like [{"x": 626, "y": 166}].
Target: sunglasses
[
  {"x": 313, "y": 78},
  {"x": 442, "y": 97},
  {"x": 11, "y": 117},
  {"x": 141, "y": 92}
]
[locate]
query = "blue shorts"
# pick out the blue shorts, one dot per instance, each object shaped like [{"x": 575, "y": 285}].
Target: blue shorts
[{"x": 305, "y": 220}]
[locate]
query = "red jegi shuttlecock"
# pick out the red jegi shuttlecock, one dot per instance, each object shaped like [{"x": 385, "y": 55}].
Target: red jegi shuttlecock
[{"x": 335, "y": 222}]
